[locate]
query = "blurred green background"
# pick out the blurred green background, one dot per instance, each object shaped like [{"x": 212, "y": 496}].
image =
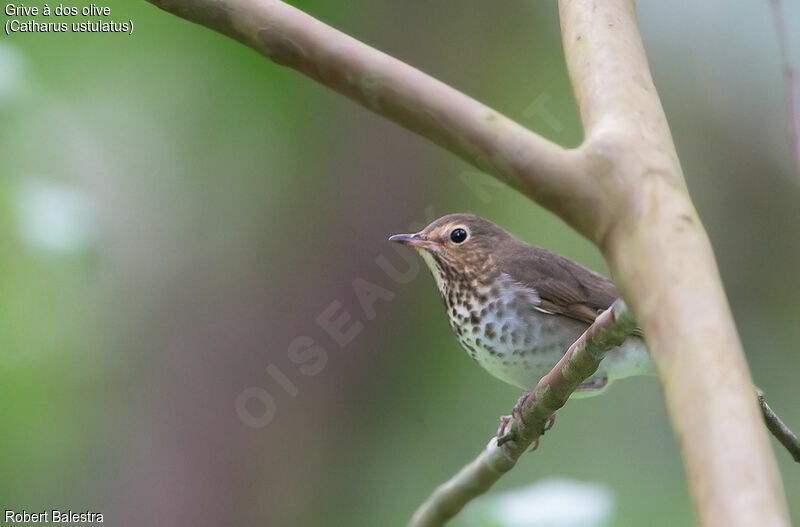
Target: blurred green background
[{"x": 175, "y": 211}]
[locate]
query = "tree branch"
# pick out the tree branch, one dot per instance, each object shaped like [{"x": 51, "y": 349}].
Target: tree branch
[
  {"x": 480, "y": 135},
  {"x": 609, "y": 330},
  {"x": 662, "y": 262},
  {"x": 779, "y": 429},
  {"x": 791, "y": 91},
  {"x": 623, "y": 189}
]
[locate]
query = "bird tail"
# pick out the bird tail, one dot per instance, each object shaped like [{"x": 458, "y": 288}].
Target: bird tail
[{"x": 631, "y": 359}]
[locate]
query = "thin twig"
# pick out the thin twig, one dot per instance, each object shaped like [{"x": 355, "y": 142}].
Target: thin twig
[
  {"x": 791, "y": 91},
  {"x": 779, "y": 429},
  {"x": 610, "y": 329}
]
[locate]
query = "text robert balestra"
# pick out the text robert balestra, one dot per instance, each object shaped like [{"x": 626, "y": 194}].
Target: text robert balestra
[{"x": 52, "y": 516}]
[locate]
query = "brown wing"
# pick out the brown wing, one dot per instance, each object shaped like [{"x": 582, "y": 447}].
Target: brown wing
[{"x": 565, "y": 287}]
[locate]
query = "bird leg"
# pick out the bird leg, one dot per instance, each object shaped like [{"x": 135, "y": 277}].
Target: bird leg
[{"x": 504, "y": 437}]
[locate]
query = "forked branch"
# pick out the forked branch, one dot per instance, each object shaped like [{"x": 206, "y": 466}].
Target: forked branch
[{"x": 623, "y": 189}]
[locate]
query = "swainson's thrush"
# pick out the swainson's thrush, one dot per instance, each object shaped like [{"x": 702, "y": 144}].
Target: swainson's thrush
[{"x": 516, "y": 308}]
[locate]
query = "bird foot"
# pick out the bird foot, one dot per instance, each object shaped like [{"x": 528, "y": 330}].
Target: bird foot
[
  {"x": 516, "y": 414},
  {"x": 504, "y": 435}
]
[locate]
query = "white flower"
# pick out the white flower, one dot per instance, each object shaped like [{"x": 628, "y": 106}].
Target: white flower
[{"x": 554, "y": 502}]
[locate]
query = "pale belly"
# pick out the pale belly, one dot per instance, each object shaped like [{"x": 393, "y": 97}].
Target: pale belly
[
  {"x": 519, "y": 350},
  {"x": 519, "y": 344}
]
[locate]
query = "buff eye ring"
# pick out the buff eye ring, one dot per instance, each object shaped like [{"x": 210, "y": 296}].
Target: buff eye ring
[{"x": 458, "y": 235}]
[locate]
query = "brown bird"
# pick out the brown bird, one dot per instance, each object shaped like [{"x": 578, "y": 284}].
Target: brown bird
[{"x": 516, "y": 308}]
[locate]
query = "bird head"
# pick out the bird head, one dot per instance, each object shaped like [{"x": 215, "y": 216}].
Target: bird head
[{"x": 457, "y": 245}]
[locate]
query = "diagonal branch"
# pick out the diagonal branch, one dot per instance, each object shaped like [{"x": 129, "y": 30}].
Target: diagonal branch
[
  {"x": 790, "y": 88},
  {"x": 779, "y": 429},
  {"x": 480, "y": 135},
  {"x": 609, "y": 330}
]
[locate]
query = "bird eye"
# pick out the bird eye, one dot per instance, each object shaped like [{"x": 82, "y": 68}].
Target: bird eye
[{"x": 458, "y": 235}]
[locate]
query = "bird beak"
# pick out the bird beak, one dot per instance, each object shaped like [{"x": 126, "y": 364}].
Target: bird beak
[{"x": 413, "y": 240}]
